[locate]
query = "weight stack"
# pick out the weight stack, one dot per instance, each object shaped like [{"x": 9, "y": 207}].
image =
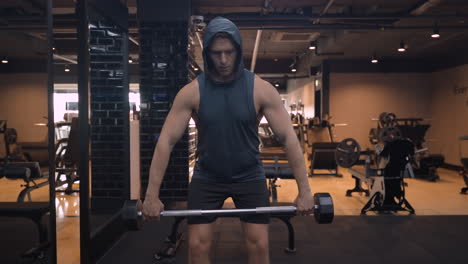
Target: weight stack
[
  {"x": 164, "y": 63},
  {"x": 109, "y": 114}
]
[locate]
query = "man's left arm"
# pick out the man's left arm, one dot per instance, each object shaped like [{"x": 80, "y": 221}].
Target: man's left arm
[{"x": 279, "y": 121}]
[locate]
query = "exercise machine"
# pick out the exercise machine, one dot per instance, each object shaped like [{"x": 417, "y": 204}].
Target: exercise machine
[
  {"x": 424, "y": 165},
  {"x": 385, "y": 186}
]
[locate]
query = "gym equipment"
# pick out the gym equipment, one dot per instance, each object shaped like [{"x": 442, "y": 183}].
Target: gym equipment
[
  {"x": 386, "y": 119},
  {"x": 67, "y": 158},
  {"x": 347, "y": 152},
  {"x": 274, "y": 170},
  {"x": 132, "y": 218},
  {"x": 319, "y": 138},
  {"x": 390, "y": 127},
  {"x": 13, "y": 165},
  {"x": 386, "y": 187},
  {"x": 388, "y": 134},
  {"x": 323, "y": 158},
  {"x": 34, "y": 211},
  {"x": 267, "y": 138},
  {"x": 464, "y": 172},
  {"x": 323, "y": 211},
  {"x": 29, "y": 172}
]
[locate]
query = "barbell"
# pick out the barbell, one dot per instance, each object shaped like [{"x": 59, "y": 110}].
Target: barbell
[{"x": 323, "y": 211}]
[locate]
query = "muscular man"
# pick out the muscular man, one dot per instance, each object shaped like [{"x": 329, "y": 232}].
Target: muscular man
[{"x": 227, "y": 102}]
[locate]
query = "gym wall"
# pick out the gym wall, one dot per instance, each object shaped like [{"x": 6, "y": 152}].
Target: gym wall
[
  {"x": 449, "y": 113},
  {"x": 301, "y": 89},
  {"x": 356, "y": 98},
  {"x": 23, "y": 102}
]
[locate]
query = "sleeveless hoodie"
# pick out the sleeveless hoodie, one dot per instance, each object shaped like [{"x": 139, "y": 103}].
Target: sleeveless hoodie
[{"x": 227, "y": 123}]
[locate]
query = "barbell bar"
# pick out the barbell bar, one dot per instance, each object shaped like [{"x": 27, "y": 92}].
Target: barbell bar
[{"x": 323, "y": 211}]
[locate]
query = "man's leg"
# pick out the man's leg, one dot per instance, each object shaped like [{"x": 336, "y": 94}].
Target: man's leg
[
  {"x": 256, "y": 239},
  {"x": 203, "y": 196},
  {"x": 200, "y": 237},
  {"x": 251, "y": 195}
]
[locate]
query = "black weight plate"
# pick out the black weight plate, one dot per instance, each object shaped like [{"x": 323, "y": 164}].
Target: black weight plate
[
  {"x": 130, "y": 215},
  {"x": 323, "y": 210},
  {"x": 347, "y": 152}
]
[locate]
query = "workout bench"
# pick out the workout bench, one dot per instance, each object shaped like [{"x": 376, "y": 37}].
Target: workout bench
[
  {"x": 276, "y": 169},
  {"x": 29, "y": 172},
  {"x": 34, "y": 211}
]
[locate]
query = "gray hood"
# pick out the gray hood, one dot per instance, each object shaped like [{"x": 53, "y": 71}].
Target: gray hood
[{"x": 221, "y": 24}]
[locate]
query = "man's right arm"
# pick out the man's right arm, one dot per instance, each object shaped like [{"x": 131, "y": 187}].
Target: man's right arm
[{"x": 173, "y": 129}]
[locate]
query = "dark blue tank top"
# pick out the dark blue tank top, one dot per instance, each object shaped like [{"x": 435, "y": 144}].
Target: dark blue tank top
[{"x": 227, "y": 131}]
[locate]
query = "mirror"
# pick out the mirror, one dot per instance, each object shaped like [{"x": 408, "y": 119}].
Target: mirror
[{"x": 26, "y": 161}]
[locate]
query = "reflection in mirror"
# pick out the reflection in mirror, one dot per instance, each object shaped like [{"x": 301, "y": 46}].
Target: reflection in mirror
[{"x": 24, "y": 145}]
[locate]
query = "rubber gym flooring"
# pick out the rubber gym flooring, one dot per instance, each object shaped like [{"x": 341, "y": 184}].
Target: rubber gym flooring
[{"x": 350, "y": 239}]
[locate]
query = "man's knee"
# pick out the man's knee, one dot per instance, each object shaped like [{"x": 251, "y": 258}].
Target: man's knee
[
  {"x": 199, "y": 240},
  {"x": 199, "y": 245},
  {"x": 258, "y": 243}
]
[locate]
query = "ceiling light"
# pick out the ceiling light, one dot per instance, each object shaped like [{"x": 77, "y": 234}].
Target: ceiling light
[
  {"x": 67, "y": 68},
  {"x": 130, "y": 60},
  {"x": 195, "y": 69},
  {"x": 313, "y": 45},
  {"x": 402, "y": 47},
  {"x": 374, "y": 59},
  {"x": 4, "y": 60},
  {"x": 293, "y": 66},
  {"x": 435, "y": 32},
  {"x": 277, "y": 84}
]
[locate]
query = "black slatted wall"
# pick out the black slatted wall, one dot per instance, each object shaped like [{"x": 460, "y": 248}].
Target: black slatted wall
[
  {"x": 163, "y": 72},
  {"x": 109, "y": 114}
]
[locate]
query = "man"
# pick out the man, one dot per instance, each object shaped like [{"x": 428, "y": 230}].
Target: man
[{"x": 227, "y": 102}]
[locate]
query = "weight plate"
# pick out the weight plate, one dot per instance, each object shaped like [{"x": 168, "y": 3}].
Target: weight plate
[
  {"x": 130, "y": 215},
  {"x": 323, "y": 210},
  {"x": 347, "y": 152}
]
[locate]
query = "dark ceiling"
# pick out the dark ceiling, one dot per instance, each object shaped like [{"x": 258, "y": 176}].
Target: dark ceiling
[{"x": 343, "y": 29}]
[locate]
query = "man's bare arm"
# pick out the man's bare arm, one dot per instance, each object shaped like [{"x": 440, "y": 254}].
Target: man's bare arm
[
  {"x": 280, "y": 123},
  {"x": 173, "y": 129}
]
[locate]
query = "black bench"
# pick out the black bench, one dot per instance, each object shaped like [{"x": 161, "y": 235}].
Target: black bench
[
  {"x": 274, "y": 170},
  {"x": 29, "y": 172},
  {"x": 34, "y": 211}
]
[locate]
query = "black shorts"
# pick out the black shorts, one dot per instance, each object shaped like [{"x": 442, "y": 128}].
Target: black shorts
[{"x": 206, "y": 195}]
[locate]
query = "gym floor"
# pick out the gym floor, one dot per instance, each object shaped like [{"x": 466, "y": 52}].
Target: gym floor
[{"x": 428, "y": 198}]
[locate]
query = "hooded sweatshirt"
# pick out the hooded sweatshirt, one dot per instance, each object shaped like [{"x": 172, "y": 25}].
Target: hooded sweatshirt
[{"x": 226, "y": 120}]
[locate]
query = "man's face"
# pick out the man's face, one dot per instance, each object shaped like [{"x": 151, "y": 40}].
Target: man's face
[{"x": 223, "y": 55}]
